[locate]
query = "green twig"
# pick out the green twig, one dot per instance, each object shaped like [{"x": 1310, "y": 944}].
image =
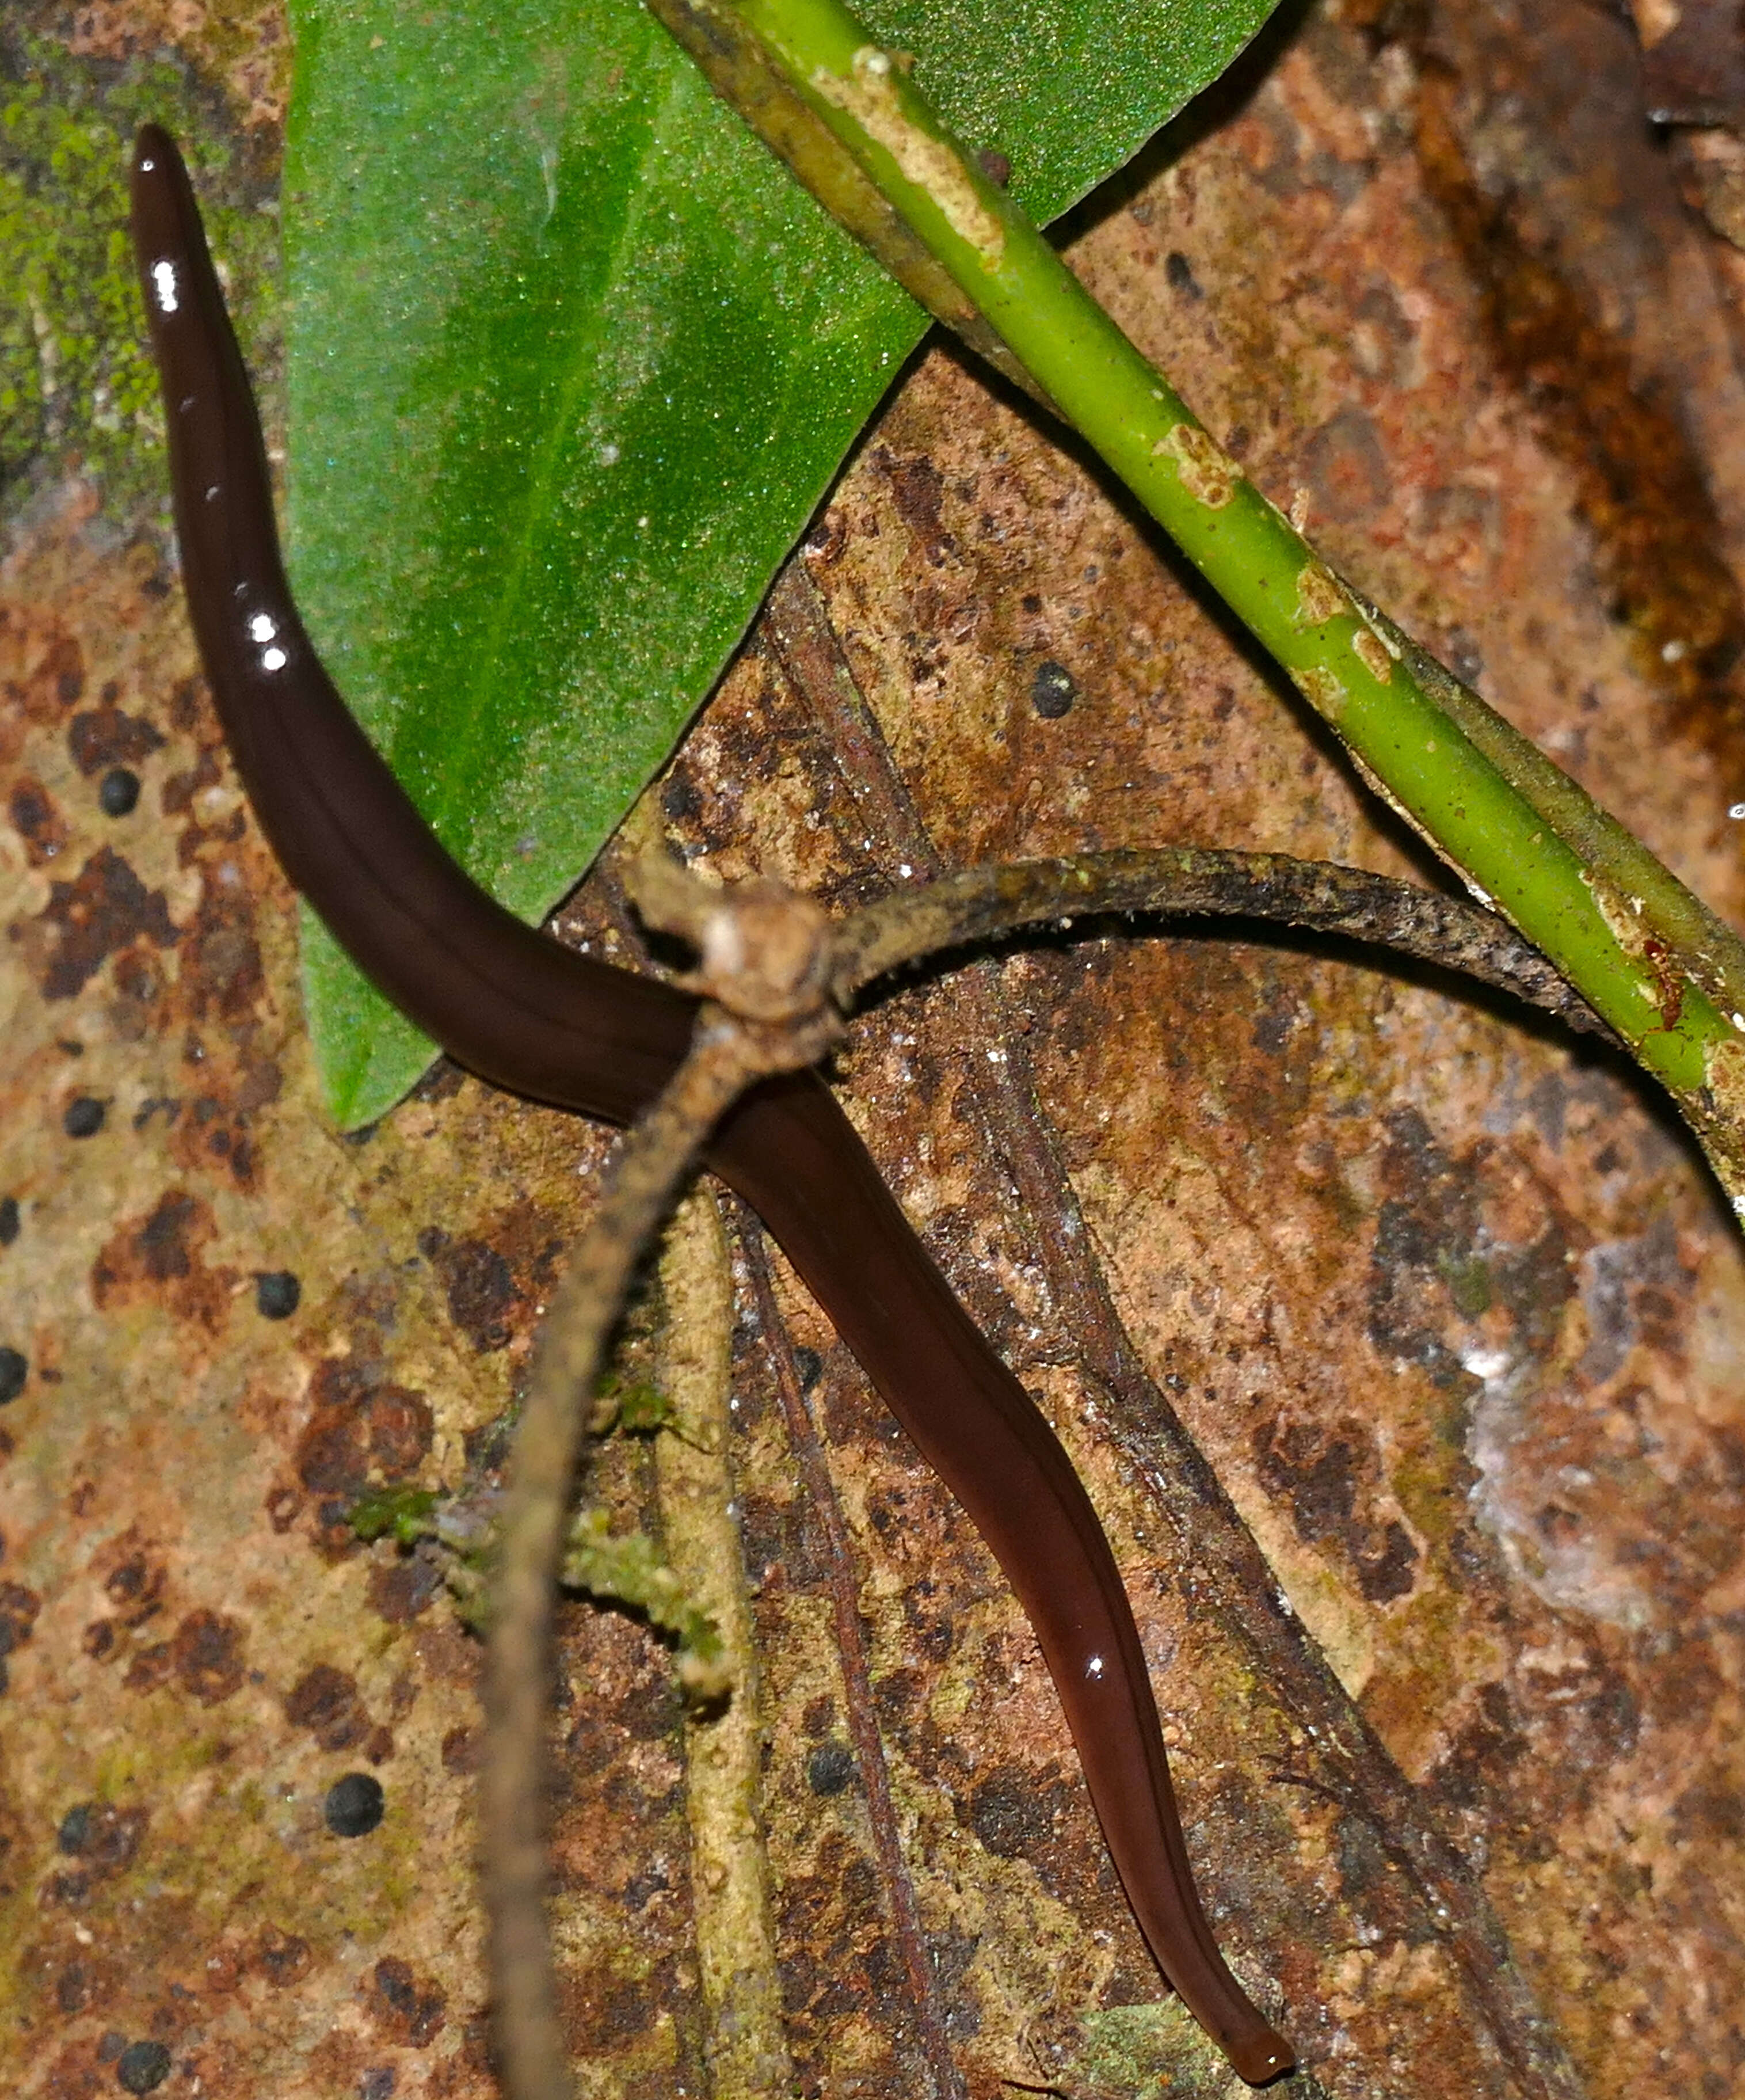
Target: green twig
[{"x": 1644, "y": 953}]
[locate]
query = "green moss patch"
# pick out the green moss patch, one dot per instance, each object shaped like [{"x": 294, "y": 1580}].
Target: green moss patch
[{"x": 78, "y": 390}]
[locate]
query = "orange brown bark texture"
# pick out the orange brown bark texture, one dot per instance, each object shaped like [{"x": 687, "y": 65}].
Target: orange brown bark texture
[{"x": 1400, "y": 1342}]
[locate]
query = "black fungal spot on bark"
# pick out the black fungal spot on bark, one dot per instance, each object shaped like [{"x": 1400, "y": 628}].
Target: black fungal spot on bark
[
  {"x": 1053, "y": 689},
  {"x": 829, "y": 1769},
  {"x": 277, "y": 1294},
  {"x": 1179, "y": 272},
  {"x": 118, "y": 791},
  {"x": 83, "y": 1116},
  {"x": 353, "y": 1806},
  {"x": 142, "y": 2067}
]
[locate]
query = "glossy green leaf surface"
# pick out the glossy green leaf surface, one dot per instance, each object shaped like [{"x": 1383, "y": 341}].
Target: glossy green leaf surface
[{"x": 570, "y": 361}]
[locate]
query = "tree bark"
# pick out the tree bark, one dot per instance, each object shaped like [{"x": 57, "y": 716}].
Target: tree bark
[{"x": 1400, "y": 1340}]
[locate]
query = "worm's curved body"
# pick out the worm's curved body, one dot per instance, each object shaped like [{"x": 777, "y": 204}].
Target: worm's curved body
[{"x": 515, "y": 1006}]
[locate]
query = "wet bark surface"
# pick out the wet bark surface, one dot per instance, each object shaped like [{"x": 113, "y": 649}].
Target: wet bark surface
[{"x": 1401, "y": 1342}]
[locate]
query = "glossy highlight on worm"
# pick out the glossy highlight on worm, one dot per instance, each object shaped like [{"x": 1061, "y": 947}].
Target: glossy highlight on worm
[{"x": 515, "y": 1006}]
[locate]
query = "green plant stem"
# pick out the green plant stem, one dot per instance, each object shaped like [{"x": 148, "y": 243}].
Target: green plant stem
[
  {"x": 1645, "y": 954},
  {"x": 1707, "y": 947}
]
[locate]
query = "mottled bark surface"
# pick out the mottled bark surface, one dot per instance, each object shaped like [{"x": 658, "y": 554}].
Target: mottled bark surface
[{"x": 1402, "y": 1344}]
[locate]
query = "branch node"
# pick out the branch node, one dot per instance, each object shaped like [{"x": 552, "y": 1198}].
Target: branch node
[{"x": 767, "y": 953}]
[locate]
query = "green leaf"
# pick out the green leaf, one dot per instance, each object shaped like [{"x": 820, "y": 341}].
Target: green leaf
[{"x": 571, "y": 362}]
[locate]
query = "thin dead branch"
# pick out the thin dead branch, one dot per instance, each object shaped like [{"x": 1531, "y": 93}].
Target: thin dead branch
[{"x": 775, "y": 977}]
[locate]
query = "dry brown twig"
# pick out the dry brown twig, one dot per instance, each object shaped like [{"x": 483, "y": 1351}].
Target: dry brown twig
[
  {"x": 765, "y": 1010},
  {"x": 776, "y": 977}
]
